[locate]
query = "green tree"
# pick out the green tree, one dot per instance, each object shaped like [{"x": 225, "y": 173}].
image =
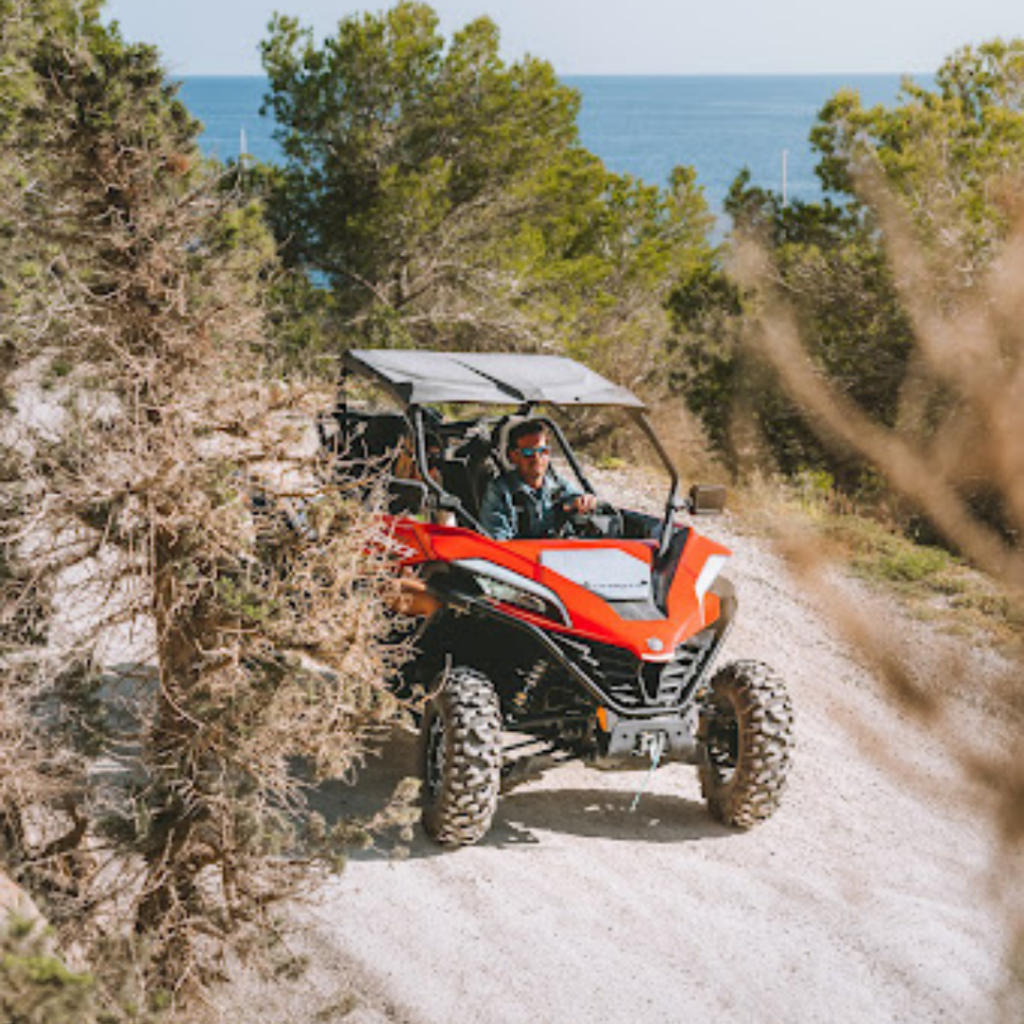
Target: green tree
[
  {"x": 391, "y": 143},
  {"x": 951, "y": 156},
  {"x": 939, "y": 172},
  {"x": 445, "y": 198}
]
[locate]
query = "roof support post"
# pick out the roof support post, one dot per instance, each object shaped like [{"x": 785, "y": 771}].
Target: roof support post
[{"x": 668, "y": 520}]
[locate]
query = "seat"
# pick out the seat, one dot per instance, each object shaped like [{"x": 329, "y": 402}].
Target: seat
[
  {"x": 499, "y": 440},
  {"x": 468, "y": 472},
  {"x": 383, "y": 434},
  {"x": 405, "y": 497}
]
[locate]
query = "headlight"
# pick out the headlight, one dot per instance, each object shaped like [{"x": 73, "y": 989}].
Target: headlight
[
  {"x": 708, "y": 575},
  {"x": 499, "y": 584}
]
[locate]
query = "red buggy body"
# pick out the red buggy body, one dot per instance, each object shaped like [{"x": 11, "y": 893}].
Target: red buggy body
[{"x": 597, "y": 643}]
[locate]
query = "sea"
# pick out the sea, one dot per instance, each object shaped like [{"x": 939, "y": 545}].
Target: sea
[{"x": 642, "y": 126}]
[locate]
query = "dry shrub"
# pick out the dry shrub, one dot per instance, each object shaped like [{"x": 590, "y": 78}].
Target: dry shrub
[
  {"x": 181, "y": 658},
  {"x": 970, "y": 350},
  {"x": 202, "y": 640}
]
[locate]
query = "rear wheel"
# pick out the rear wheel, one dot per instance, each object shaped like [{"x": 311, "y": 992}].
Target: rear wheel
[
  {"x": 746, "y": 742},
  {"x": 461, "y": 758}
]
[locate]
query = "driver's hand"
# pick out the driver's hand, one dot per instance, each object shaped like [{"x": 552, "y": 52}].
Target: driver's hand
[{"x": 584, "y": 504}]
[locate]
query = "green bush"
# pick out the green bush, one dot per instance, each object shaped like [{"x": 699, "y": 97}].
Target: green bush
[{"x": 37, "y": 987}]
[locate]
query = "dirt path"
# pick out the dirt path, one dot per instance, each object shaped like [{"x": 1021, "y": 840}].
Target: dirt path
[{"x": 863, "y": 900}]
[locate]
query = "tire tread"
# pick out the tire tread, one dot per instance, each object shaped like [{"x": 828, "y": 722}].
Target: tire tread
[
  {"x": 764, "y": 715},
  {"x": 463, "y": 809}
]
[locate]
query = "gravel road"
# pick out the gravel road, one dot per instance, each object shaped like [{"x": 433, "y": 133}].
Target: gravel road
[{"x": 863, "y": 900}]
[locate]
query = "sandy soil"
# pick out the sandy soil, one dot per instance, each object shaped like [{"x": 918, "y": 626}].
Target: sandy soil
[{"x": 863, "y": 900}]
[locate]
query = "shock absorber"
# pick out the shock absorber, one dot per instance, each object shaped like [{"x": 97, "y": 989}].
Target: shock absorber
[{"x": 530, "y": 682}]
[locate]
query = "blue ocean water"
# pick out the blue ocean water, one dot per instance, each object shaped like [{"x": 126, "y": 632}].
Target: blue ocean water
[{"x": 643, "y": 126}]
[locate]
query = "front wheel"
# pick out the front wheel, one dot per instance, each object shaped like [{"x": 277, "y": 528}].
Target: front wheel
[
  {"x": 746, "y": 743},
  {"x": 461, "y": 758}
]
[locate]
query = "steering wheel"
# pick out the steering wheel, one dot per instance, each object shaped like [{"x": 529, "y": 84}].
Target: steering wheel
[{"x": 604, "y": 521}]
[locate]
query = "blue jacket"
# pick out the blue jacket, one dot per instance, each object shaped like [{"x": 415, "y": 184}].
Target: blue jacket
[{"x": 512, "y": 509}]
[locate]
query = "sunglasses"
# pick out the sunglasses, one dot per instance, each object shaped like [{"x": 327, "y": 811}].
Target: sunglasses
[{"x": 528, "y": 453}]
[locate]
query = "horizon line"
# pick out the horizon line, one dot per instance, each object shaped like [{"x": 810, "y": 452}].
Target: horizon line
[{"x": 632, "y": 74}]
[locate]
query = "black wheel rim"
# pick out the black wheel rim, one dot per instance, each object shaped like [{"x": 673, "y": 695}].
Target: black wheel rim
[
  {"x": 437, "y": 757},
  {"x": 723, "y": 741}
]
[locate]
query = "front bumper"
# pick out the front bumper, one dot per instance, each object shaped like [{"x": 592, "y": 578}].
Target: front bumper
[{"x": 631, "y": 743}]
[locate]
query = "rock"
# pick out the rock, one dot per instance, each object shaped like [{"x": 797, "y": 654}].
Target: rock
[{"x": 15, "y": 902}]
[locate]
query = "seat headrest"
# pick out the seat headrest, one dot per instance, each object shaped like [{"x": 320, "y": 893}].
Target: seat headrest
[
  {"x": 499, "y": 439},
  {"x": 384, "y": 433}
]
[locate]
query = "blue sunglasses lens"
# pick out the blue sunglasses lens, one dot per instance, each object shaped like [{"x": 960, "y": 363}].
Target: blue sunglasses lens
[{"x": 539, "y": 450}]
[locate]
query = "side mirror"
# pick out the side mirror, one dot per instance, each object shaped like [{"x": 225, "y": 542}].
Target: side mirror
[{"x": 706, "y": 499}]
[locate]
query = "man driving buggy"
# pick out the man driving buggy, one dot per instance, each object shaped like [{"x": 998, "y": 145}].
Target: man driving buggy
[{"x": 531, "y": 500}]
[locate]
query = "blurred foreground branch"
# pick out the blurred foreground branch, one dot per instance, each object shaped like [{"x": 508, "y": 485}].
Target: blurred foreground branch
[{"x": 971, "y": 346}]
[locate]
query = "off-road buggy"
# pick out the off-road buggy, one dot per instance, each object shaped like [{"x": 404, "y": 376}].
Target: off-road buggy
[{"x": 595, "y": 644}]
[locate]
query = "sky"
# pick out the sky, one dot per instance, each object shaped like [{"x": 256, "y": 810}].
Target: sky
[{"x": 613, "y": 37}]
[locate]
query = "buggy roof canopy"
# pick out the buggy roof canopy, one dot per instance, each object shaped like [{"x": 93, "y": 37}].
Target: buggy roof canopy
[{"x": 487, "y": 378}]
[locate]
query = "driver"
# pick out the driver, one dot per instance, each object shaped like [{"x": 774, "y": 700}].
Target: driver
[{"x": 527, "y": 501}]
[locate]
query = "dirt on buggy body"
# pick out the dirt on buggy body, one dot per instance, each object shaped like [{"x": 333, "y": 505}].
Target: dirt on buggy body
[{"x": 596, "y": 644}]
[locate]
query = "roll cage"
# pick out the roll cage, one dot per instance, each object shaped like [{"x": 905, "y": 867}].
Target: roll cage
[{"x": 524, "y": 385}]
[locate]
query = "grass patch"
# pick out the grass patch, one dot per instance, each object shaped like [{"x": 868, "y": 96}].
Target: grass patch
[
  {"x": 57, "y": 370},
  {"x": 875, "y": 552},
  {"x": 931, "y": 583}
]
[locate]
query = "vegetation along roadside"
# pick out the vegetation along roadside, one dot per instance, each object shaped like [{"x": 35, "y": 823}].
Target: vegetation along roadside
[{"x": 171, "y": 648}]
